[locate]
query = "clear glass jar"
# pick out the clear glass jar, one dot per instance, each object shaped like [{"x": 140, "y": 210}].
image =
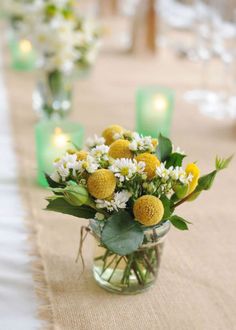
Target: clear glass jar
[
  {"x": 52, "y": 97},
  {"x": 133, "y": 273}
]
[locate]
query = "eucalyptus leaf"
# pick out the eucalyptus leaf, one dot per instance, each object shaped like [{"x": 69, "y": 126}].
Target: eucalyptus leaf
[
  {"x": 164, "y": 148},
  {"x": 122, "y": 234},
  {"x": 61, "y": 206},
  {"x": 179, "y": 222}
]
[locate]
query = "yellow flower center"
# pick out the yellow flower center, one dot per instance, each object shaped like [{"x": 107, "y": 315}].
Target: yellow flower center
[{"x": 124, "y": 171}]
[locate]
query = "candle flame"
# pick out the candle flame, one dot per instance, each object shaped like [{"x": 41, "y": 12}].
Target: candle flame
[
  {"x": 160, "y": 103},
  {"x": 25, "y": 46},
  {"x": 59, "y": 139}
]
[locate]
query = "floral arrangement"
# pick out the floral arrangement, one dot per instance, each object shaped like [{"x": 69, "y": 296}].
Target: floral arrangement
[
  {"x": 15, "y": 11},
  {"x": 64, "y": 40},
  {"x": 129, "y": 184}
]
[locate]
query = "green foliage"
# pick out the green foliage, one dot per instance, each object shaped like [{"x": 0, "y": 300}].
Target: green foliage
[
  {"x": 168, "y": 207},
  {"x": 121, "y": 234},
  {"x": 175, "y": 159},
  {"x": 179, "y": 222},
  {"x": 164, "y": 148},
  {"x": 62, "y": 206},
  {"x": 222, "y": 163},
  {"x": 205, "y": 182},
  {"x": 52, "y": 183}
]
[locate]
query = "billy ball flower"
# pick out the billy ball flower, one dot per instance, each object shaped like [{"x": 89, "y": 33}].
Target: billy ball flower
[
  {"x": 148, "y": 210},
  {"x": 81, "y": 155},
  {"x": 151, "y": 163},
  {"x": 101, "y": 184},
  {"x": 110, "y": 132},
  {"x": 120, "y": 149}
]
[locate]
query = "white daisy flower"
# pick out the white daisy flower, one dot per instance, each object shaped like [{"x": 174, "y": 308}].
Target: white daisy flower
[
  {"x": 163, "y": 172},
  {"x": 100, "y": 152},
  {"x": 119, "y": 201},
  {"x": 65, "y": 164},
  {"x": 177, "y": 150},
  {"x": 89, "y": 164},
  {"x": 55, "y": 176},
  {"x": 178, "y": 173},
  {"x": 95, "y": 141},
  {"x": 124, "y": 168},
  {"x": 140, "y": 143}
]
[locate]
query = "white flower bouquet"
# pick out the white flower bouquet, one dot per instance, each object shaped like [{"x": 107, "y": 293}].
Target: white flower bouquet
[{"x": 130, "y": 187}]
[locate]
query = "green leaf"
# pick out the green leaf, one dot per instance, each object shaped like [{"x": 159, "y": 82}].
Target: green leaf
[
  {"x": 168, "y": 204},
  {"x": 164, "y": 148},
  {"x": 121, "y": 234},
  {"x": 205, "y": 182},
  {"x": 222, "y": 163},
  {"x": 52, "y": 183},
  {"x": 179, "y": 222},
  {"x": 61, "y": 206},
  {"x": 175, "y": 159}
]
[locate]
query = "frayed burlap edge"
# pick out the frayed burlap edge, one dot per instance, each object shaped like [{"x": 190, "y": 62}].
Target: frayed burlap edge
[{"x": 44, "y": 306}]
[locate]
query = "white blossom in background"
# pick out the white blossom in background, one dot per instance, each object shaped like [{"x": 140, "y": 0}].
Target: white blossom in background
[
  {"x": 95, "y": 141},
  {"x": 119, "y": 201}
]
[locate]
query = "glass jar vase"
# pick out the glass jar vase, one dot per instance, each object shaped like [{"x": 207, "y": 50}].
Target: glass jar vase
[
  {"x": 52, "y": 97},
  {"x": 133, "y": 273}
]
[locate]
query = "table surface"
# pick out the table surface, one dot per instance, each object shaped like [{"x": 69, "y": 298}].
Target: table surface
[{"x": 196, "y": 288}]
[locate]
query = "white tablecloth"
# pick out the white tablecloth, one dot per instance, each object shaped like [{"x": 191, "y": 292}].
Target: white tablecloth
[{"x": 17, "y": 299}]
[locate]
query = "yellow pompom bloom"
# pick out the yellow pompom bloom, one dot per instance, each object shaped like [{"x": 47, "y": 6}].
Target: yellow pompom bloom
[
  {"x": 101, "y": 184},
  {"x": 120, "y": 149},
  {"x": 192, "y": 169},
  {"x": 148, "y": 210},
  {"x": 151, "y": 161},
  {"x": 110, "y": 131},
  {"x": 81, "y": 155}
]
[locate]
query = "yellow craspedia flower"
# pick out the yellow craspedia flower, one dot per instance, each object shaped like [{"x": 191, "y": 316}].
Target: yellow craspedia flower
[
  {"x": 81, "y": 155},
  {"x": 120, "y": 149},
  {"x": 110, "y": 131},
  {"x": 151, "y": 161},
  {"x": 192, "y": 169},
  {"x": 148, "y": 210},
  {"x": 101, "y": 184}
]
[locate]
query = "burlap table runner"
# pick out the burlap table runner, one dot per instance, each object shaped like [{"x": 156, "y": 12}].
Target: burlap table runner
[{"x": 196, "y": 288}]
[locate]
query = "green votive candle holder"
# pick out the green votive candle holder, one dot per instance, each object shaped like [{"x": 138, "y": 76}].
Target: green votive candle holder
[
  {"x": 23, "y": 55},
  {"x": 53, "y": 139},
  {"x": 154, "y": 109}
]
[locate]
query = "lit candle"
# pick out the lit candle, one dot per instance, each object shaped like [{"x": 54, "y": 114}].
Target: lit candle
[
  {"x": 154, "y": 108},
  {"x": 23, "y": 56},
  {"x": 53, "y": 139}
]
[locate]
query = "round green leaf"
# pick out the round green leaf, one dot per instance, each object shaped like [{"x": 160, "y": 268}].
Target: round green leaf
[{"x": 121, "y": 234}]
